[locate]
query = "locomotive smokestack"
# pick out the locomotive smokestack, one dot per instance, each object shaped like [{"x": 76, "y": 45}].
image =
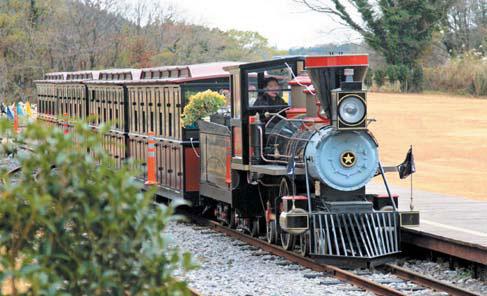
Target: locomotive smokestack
[{"x": 328, "y": 72}]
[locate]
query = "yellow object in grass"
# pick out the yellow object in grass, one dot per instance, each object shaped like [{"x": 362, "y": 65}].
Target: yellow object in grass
[{"x": 201, "y": 105}]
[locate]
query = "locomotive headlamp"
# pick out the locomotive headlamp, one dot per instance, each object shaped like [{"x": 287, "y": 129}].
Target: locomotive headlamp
[{"x": 351, "y": 109}]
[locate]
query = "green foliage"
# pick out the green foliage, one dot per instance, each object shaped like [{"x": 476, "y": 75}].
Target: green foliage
[
  {"x": 379, "y": 77},
  {"x": 392, "y": 73},
  {"x": 403, "y": 75},
  {"x": 201, "y": 105},
  {"x": 399, "y": 30},
  {"x": 417, "y": 79},
  {"x": 410, "y": 78},
  {"x": 73, "y": 227}
]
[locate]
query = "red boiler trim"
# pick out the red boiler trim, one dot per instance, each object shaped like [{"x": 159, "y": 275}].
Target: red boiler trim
[
  {"x": 337, "y": 61},
  {"x": 293, "y": 112}
]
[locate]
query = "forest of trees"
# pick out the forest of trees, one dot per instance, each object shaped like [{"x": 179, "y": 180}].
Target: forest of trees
[{"x": 38, "y": 36}]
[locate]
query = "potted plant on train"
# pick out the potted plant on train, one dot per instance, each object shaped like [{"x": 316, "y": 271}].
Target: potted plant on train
[{"x": 201, "y": 105}]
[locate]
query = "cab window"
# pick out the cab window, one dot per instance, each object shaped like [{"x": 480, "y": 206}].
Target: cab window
[{"x": 269, "y": 87}]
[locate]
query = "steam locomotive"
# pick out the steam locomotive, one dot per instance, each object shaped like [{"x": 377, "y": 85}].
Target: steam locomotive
[{"x": 294, "y": 171}]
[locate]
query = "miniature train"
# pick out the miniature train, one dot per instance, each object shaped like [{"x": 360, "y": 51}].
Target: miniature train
[{"x": 293, "y": 169}]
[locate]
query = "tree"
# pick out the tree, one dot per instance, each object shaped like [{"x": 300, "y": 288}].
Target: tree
[
  {"x": 71, "y": 226},
  {"x": 400, "y": 30},
  {"x": 39, "y": 36},
  {"x": 466, "y": 27},
  {"x": 247, "y": 45}
]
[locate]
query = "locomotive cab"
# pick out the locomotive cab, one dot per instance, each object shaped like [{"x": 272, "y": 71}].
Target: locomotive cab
[{"x": 227, "y": 149}]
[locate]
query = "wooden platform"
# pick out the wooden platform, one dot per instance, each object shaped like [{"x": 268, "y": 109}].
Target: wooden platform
[{"x": 454, "y": 218}]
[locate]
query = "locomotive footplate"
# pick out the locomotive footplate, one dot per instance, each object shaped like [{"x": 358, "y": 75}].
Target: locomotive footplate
[{"x": 359, "y": 239}]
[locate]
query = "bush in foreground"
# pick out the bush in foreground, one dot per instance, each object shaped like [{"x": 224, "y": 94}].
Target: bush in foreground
[{"x": 81, "y": 228}]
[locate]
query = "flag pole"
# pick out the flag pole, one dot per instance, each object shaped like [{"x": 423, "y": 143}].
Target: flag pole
[{"x": 411, "y": 206}]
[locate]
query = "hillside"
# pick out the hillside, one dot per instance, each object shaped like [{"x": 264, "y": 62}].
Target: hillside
[{"x": 40, "y": 36}]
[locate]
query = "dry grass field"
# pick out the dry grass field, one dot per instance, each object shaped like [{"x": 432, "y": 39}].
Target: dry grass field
[{"x": 449, "y": 138}]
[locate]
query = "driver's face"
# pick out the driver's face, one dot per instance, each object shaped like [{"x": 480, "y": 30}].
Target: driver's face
[{"x": 272, "y": 88}]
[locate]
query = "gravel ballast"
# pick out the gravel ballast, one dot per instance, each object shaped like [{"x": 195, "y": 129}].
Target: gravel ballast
[{"x": 230, "y": 267}]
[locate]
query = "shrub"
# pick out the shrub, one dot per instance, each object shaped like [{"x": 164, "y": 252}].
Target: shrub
[
  {"x": 463, "y": 75},
  {"x": 417, "y": 79},
  {"x": 81, "y": 228},
  {"x": 391, "y": 73},
  {"x": 379, "y": 77},
  {"x": 403, "y": 77},
  {"x": 201, "y": 105},
  {"x": 479, "y": 82}
]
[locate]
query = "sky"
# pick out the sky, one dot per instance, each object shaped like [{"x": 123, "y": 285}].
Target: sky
[{"x": 284, "y": 23}]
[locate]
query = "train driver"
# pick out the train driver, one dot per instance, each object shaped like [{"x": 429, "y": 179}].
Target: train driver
[{"x": 271, "y": 95}]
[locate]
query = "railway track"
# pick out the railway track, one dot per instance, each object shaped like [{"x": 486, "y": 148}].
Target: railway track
[
  {"x": 340, "y": 274},
  {"x": 377, "y": 287},
  {"x": 426, "y": 281}
]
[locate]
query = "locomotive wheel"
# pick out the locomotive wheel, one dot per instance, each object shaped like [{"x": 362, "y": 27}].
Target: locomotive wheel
[
  {"x": 271, "y": 233},
  {"x": 233, "y": 219},
  {"x": 287, "y": 239},
  {"x": 304, "y": 244}
]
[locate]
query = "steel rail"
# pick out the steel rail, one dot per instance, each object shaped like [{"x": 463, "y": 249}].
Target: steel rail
[
  {"x": 336, "y": 272},
  {"x": 428, "y": 282},
  {"x": 475, "y": 253}
]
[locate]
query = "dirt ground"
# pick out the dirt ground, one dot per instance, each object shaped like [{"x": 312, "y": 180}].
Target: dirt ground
[{"x": 449, "y": 138}]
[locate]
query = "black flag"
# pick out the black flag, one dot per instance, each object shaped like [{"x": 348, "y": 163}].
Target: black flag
[{"x": 407, "y": 167}]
